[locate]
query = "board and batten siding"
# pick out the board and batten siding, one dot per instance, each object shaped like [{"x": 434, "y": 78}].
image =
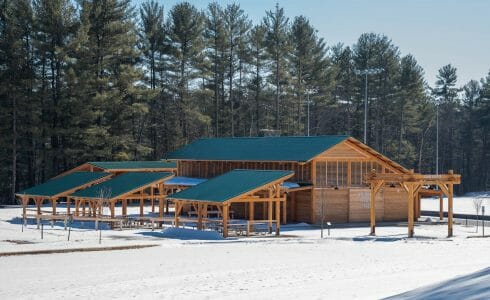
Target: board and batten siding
[
  {"x": 210, "y": 169},
  {"x": 352, "y": 205}
]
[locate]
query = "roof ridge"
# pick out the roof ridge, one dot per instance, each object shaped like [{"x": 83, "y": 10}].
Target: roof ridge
[{"x": 282, "y": 136}]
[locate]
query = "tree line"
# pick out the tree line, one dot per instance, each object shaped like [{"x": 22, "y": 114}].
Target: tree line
[{"x": 103, "y": 80}]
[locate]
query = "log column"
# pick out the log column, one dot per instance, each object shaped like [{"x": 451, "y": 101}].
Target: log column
[
  {"x": 225, "y": 219},
  {"x": 53, "y": 205},
  {"x": 410, "y": 189},
  {"x": 450, "y": 208},
  {"x": 251, "y": 215},
  {"x": 441, "y": 208}
]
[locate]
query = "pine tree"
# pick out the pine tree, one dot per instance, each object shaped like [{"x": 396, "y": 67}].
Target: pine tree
[
  {"x": 152, "y": 45},
  {"x": 278, "y": 48},
  {"x": 215, "y": 37},
  {"x": 308, "y": 64},
  {"x": 104, "y": 69},
  {"x": 16, "y": 95},
  {"x": 186, "y": 27},
  {"x": 55, "y": 25},
  {"x": 446, "y": 94},
  {"x": 257, "y": 50}
]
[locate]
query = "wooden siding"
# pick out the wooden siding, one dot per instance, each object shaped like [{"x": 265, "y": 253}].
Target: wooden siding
[
  {"x": 303, "y": 206},
  {"x": 395, "y": 204},
  {"x": 336, "y": 205},
  {"x": 343, "y": 151},
  {"x": 359, "y": 204},
  {"x": 209, "y": 169}
]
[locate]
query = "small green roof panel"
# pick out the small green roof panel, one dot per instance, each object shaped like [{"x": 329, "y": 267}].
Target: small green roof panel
[
  {"x": 281, "y": 148},
  {"x": 124, "y": 165},
  {"x": 230, "y": 185},
  {"x": 122, "y": 184},
  {"x": 63, "y": 184}
]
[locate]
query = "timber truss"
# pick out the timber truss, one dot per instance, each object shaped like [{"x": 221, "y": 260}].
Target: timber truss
[{"x": 412, "y": 183}]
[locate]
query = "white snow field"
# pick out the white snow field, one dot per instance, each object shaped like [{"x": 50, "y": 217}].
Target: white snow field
[
  {"x": 461, "y": 205},
  {"x": 189, "y": 264}
]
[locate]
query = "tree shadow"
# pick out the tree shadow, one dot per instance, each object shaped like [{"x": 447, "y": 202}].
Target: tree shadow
[{"x": 472, "y": 286}]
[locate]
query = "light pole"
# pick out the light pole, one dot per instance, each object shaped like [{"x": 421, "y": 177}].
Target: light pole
[{"x": 366, "y": 72}]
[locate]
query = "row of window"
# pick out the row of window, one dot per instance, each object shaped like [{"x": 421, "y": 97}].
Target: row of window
[{"x": 336, "y": 173}]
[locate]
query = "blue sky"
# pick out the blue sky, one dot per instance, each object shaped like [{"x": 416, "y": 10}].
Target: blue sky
[{"x": 436, "y": 32}]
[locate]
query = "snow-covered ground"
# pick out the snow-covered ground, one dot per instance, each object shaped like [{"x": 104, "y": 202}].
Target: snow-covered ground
[
  {"x": 189, "y": 264},
  {"x": 461, "y": 205}
]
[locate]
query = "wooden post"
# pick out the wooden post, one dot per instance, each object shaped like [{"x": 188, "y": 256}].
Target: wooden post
[
  {"x": 77, "y": 207},
  {"x": 441, "y": 208},
  {"x": 199, "y": 216},
  {"x": 278, "y": 216},
  {"x": 53, "y": 204},
  {"x": 269, "y": 215},
  {"x": 141, "y": 207},
  {"x": 372, "y": 209},
  {"x": 152, "y": 197},
  {"x": 112, "y": 206},
  {"x": 450, "y": 211},
  {"x": 177, "y": 206},
  {"x": 251, "y": 216},
  {"x": 284, "y": 212},
  {"x": 415, "y": 206},
  {"x": 38, "y": 205},
  {"x": 83, "y": 207},
  {"x": 410, "y": 200},
  {"x": 225, "y": 220},
  {"x": 293, "y": 206},
  {"x": 161, "y": 200},
  {"x": 125, "y": 207},
  {"x": 68, "y": 205}
]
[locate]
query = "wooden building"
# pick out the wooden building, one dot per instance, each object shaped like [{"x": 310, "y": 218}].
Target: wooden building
[{"x": 328, "y": 169}]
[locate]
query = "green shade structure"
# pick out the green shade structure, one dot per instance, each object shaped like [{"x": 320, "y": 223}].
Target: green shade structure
[
  {"x": 122, "y": 184},
  {"x": 231, "y": 185},
  {"x": 60, "y": 185}
]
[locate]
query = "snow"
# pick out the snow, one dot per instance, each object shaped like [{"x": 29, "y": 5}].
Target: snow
[
  {"x": 461, "y": 205},
  {"x": 190, "y": 264}
]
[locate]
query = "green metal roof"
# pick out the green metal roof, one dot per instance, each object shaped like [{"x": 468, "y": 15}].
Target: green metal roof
[
  {"x": 123, "y": 165},
  {"x": 62, "y": 184},
  {"x": 283, "y": 148},
  {"x": 230, "y": 185},
  {"x": 122, "y": 184}
]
